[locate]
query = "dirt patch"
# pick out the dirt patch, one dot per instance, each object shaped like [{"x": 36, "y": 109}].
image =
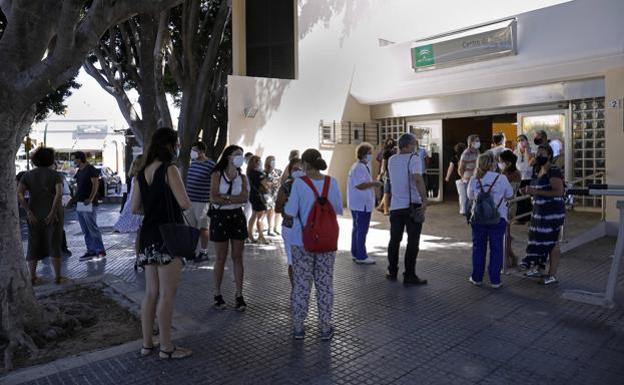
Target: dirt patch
[{"x": 96, "y": 322}]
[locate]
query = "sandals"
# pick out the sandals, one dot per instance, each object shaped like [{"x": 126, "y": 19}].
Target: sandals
[
  {"x": 147, "y": 351},
  {"x": 176, "y": 354}
]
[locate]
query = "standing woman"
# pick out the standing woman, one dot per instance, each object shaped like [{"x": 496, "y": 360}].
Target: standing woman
[
  {"x": 453, "y": 170},
  {"x": 467, "y": 165},
  {"x": 308, "y": 266},
  {"x": 158, "y": 182},
  {"x": 129, "y": 222},
  {"x": 389, "y": 150},
  {"x": 45, "y": 228},
  {"x": 524, "y": 164},
  {"x": 507, "y": 164},
  {"x": 482, "y": 181},
  {"x": 295, "y": 170},
  {"x": 273, "y": 176},
  {"x": 548, "y": 216},
  {"x": 258, "y": 183},
  {"x": 361, "y": 202},
  {"x": 228, "y": 226},
  {"x": 292, "y": 155}
]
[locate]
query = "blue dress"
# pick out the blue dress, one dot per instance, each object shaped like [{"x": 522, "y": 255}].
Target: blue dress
[{"x": 546, "y": 221}]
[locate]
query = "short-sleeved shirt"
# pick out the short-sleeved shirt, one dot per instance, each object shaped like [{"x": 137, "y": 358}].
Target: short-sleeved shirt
[
  {"x": 232, "y": 187},
  {"x": 501, "y": 191},
  {"x": 198, "y": 180},
  {"x": 496, "y": 151},
  {"x": 83, "y": 182},
  {"x": 469, "y": 158},
  {"x": 522, "y": 164},
  {"x": 360, "y": 200},
  {"x": 41, "y": 184},
  {"x": 397, "y": 168},
  {"x": 302, "y": 199}
]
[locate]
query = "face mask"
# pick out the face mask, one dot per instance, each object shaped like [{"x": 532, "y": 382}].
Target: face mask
[
  {"x": 194, "y": 154},
  {"x": 259, "y": 168},
  {"x": 297, "y": 174},
  {"x": 476, "y": 145},
  {"x": 272, "y": 164},
  {"x": 537, "y": 141},
  {"x": 501, "y": 166},
  {"x": 238, "y": 161},
  {"x": 541, "y": 160},
  {"x": 522, "y": 145},
  {"x": 369, "y": 157}
]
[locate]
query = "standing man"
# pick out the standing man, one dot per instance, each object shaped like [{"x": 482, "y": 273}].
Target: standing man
[
  {"x": 87, "y": 181},
  {"x": 498, "y": 145},
  {"x": 198, "y": 189},
  {"x": 408, "y": 189},
  {"x": 467, "y": 165}
]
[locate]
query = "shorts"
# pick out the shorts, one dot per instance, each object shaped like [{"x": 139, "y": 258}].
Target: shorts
[
  {"x": 197, "y": 215},
  {"x": 387, "y": 186},
  {"x": 154, "y": 255},
  {"x": 228, "y": 225}
]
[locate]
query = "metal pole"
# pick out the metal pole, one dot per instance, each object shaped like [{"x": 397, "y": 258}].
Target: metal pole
[{"x": 350, "y": 134}]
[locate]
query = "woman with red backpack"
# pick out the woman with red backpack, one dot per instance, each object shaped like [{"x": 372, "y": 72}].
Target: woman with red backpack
[{"x": 314, "y": 203}]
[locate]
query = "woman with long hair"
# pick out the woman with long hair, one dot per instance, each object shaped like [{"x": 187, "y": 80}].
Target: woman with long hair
[
  {"x": 547, "y": 190},
  {"x": 273, "y": 176},
  {"x": 310, "y": 266},
  {"x": 228, "y": 226},
  {"x": 389, "y": 150},
  {"x": 507, "y": 164},
  {"x": 157, "y": 182},
  {"x": 259, "y": 186},
  {"x": 485, "y": 180}
]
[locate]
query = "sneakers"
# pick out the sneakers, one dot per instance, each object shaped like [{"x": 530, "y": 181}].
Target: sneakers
[
  {"x": 496, "y": 285},
  {"x": 549, "y": 280},
  {"x": 219, "y": 303},
  {"x": 367, "y": 261},
  {"x": 88, "y": 255},
  {"x": 298, "y": 332},
  {"x": 533, "y": 273},
  {"x": 328, "y": 334},
  {"x": 240, "y": 304},
  {"x": 413, "y": 280},
  {"x": 202, "y": 256},
  {"x": 474, "y": 282},
  {"x": 391, "y": 276},
  {"x": 101, "y": 255}
]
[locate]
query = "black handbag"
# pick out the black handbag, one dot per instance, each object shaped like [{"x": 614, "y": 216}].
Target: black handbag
[
  {"x": 416, "y": 212},
  {"x": 179, "y": 239}
]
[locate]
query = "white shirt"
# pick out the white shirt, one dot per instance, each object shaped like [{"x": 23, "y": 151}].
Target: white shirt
[
  {"x": 522, "y": 164},
  {"x": 496, "y": 151},
  {"x": 237, "y": 187},
  {"x": 397, "y": 168},
  {"x": 302, "y": 199},
  {"x": 501, "y": 191},
  {"x": 360, "y": 200}
]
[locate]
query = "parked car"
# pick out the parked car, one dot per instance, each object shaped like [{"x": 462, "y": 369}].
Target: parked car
[{"x": 109, "y": 181}]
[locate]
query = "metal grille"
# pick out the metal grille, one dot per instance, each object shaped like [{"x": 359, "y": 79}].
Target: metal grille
[
  {"x": 333, "y": 132},
  {"x": 588, "y": 144},
  {"x": 391, "y": 128}
]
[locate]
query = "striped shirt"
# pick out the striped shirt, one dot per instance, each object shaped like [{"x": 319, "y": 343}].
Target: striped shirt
[{"x": 198, "y": 180}]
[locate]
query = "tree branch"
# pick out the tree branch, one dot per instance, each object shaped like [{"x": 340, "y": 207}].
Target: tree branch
[
  {"x": 190, "y": 20},
  {"x": 162, "y": 36},
  {"x": 97, "y": 75}
]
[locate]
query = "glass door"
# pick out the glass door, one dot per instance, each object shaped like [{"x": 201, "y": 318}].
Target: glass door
[{"x": 429, "y": 134}]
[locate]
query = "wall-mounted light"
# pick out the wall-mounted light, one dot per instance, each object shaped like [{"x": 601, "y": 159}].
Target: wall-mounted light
[{"x": 250, "y": 112}]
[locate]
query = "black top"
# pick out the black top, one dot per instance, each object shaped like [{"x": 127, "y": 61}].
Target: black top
[
  {"x": 455, "y": 161},
  {"x": 386, "y": 155},
  {"x": 159, "y": 206},
  {"x": 255, "y": 183},
  {"x": 83, "y": 182},
  {"x": 41, "y": 184}
]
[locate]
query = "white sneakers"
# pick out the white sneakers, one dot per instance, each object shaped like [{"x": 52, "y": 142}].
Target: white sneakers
[{"x": 367, "y": 261}]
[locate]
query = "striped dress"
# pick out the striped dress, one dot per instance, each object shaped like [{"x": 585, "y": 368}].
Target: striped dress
[{"x": 546, "y": 221}]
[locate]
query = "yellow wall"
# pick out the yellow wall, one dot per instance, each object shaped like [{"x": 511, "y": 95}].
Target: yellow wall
[
  {"x": 510, "y": 130},
  {"x": 614, "y": 84}
]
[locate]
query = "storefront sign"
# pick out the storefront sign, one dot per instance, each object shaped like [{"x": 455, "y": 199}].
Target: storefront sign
[{"x": 483, "y": 44}]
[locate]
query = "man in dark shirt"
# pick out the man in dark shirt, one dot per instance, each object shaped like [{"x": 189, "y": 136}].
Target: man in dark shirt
[{"x": 87, "y": 181}]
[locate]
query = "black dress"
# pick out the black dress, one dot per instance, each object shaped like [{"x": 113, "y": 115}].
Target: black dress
[
  {"x": 256, "y": 191},
  {"x": 154, "y": 198}
]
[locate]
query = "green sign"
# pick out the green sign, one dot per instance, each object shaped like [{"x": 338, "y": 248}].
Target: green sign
[{"x": 423, "y": 56}]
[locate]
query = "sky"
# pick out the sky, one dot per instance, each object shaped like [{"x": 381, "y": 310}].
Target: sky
[{"x": 92, "y": 102}]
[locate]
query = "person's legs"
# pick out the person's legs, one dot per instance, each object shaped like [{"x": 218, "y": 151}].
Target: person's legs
[
  {"x": 148, "y": 305},
  {"x": 461, "y": 191},
  {"x": 303, "y": 271},
  {"x": 413, "y": 245},
  {"x": 270, "y": 214},
  {"x": 237, "y": 259},
  {"x": 555, "y": 257},
  {"x": 250, "y": 225},
  {"x": 222, "y": 250},
  {"x": 32, "y": 264},
  {"x": 260, "y": 226},
  {"x": 90, "y": 219},
  {"x": 168, "y": 279},
  {"x": 479, "y": 250},
  {"x": 396, "y": 235},
  {"x": 496, "y": 233},
  {"x": 56, "y": 265},
  {"x": 324, "y": 283},
  {"x": 354, "y": 234},
  {"x": 85, "y": 231}
]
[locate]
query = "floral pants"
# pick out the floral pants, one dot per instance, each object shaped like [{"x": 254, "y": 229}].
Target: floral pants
[{"x": 308, "y": 267}]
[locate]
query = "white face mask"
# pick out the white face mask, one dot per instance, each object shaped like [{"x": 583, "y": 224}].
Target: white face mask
[
  {"x": 476, "y": 145},
  {"x": 369, "y": 157},
  {"x": 272, "y": 164},
  {"x": 501, "y": 166},
  {"x": 238, "y": 161},
  {"x": 194, "y": 154},
  {"x": 298, "y": 174}
]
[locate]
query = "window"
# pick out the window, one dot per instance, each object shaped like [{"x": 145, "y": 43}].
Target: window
[{"x": 270, "y": 38}]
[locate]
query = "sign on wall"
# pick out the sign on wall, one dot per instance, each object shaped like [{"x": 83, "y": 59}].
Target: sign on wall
[{"x": 479, "y": 44}]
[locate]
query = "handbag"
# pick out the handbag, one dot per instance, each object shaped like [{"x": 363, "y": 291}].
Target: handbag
[
  {"x": 416, "y": 213},
  {"x": 179, "y": 239}
]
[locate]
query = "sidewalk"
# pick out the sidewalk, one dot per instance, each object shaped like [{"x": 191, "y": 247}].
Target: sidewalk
[{"x": 447, "y": 332}]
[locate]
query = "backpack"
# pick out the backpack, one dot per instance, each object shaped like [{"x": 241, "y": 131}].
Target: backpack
[
  {"x": 320, "y": 233},
  {"x": 484, "y": 210}
]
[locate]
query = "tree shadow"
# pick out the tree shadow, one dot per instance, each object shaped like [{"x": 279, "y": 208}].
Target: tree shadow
[{"x": 323, "y": 11}]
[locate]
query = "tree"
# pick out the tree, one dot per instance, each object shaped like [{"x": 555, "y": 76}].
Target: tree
[{"x": 42, "y": 46}]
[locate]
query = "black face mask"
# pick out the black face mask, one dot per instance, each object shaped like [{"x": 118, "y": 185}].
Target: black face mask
[
  {"x": 537, "y": 141},
  {"x": 541, "y": 160}
]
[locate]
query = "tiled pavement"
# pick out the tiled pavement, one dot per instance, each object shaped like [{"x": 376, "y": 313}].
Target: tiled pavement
[{"x": 447, "y": 332}]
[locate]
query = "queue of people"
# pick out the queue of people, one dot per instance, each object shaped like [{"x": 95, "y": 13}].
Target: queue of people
[{"x": 214, "y": 198}]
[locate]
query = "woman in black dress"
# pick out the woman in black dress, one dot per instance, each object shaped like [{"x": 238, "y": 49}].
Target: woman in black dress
[
  {"x": 158, "y": 182},
  {"x": 258, "y": 183}
]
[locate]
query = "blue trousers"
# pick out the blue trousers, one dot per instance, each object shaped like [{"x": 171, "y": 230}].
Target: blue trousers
[
  {"x": 361, "y": 222},
  {"x": 91, "y": 231},
  {"x": 481, "y": 235}
]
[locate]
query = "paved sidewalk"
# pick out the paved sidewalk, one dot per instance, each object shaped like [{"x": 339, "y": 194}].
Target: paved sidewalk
[{"x": 447, "y": 332}]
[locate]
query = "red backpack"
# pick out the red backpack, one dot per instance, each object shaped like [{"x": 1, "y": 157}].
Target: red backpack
[{"x": 320, "y": 233}]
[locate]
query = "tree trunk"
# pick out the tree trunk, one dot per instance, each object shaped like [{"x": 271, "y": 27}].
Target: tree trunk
[{"x": 19, "y": 312}]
